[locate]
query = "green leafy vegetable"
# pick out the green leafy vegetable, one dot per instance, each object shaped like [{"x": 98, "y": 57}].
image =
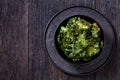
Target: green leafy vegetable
[{"x": 79, "y": 39}]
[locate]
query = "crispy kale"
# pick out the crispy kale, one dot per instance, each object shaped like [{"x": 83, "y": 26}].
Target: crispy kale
[{"x": 80, "y": 40}]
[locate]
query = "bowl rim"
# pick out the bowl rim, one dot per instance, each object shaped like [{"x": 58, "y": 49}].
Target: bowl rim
[{"x": 112, "y": 47}]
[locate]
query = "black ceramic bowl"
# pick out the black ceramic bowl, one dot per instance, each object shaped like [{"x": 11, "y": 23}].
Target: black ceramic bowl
[{"x": 57, "y": 56}]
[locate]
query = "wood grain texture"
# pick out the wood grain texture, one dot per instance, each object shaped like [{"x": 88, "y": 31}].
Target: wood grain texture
[
  {"x": 41, "y": 11},
  {"x": 22, "y": 26},
  {"x": 13, "y": 40}
]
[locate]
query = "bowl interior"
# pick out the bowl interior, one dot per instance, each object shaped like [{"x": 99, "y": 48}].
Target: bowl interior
[{"x": 61, "y": 52}]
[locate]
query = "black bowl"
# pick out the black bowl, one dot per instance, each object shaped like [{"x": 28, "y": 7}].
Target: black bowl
[
  {"x": 64, "y": 23},
  {"x": 57, "y": 56}
]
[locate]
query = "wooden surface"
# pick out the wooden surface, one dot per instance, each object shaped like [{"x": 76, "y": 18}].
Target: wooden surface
[{"x": 22, "y": 53}]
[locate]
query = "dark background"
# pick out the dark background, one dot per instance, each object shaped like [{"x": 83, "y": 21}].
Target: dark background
[{"x": 22, "y": 24}]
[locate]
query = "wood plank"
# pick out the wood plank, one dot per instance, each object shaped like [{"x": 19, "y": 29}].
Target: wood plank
[
  {"x": 13, "y": 40},
  {"x": 117, "y": 28},
  {"x": 36, "y": 55},
  {"x": 109, "y": 8}
]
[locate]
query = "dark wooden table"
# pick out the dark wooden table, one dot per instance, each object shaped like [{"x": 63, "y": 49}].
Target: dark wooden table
[{"x": 22, "y": 24}]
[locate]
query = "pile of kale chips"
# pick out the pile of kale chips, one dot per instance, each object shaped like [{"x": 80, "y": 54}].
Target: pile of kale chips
[{"x": 79, "y": 39}]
